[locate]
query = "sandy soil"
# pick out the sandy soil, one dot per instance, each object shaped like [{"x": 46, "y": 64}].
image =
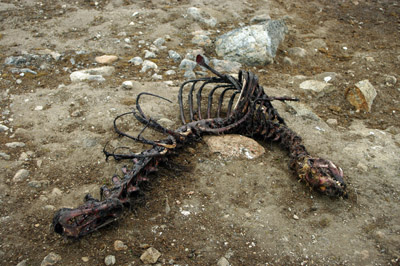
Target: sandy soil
[{"x": 252, "y": 212}]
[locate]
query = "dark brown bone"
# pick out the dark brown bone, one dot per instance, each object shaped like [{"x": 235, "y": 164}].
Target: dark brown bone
[{"x": 249, "y": 112}]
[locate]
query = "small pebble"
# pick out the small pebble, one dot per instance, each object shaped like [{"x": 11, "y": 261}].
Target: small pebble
[
  {"x": 136, "y": 61},
  {"x": 149, "y": 54},
  {"x": 21, "y": 175},
  {"x": 110, "y": 260},
  {"x": 51, "y": 259},
  {"x": 150, "y": 256},
  {"x": 170, "y": 72},
  {"x": 3, "y": 128},
  {"x": 156, "y": 76},
  {"x": 127, "y": 84},
  {"x": 18, "y": 81},
  {"x": 332, "y": 122},
  {"x": 174, "y": 55},
  {"x": 39, "y": 108},
  {"x": 295, "y": 217},
  {"x": 5, "y": 156},
  {"x": 148, "y": 65},
  {"x": 119, "y": 245},
  {"x": 159, "y": 42},
  {"x": 106, "y": 59},
  {"x": 85, "y": 259}
]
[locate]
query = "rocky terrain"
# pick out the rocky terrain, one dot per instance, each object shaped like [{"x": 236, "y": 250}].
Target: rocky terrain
[{"x": 68, "y": 68}]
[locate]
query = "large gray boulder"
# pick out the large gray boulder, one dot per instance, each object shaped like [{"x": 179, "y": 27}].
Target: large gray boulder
[{"x": 252, "y": 45}]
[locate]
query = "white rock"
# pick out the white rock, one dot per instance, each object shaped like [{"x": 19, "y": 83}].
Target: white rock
[
  {"x": 5, "y": 156},
  {"x": 149, "y": 54},
  {"x": 147, "y": 64},
  {"x": 56, "y": 192},
  {"x": 159, "y": 42},
  {"x": 110, "y": 260},
  {"x": 136, "y": 61},
  {"x": 119, "y": 245},
  {"x": 318, "y": 88},
  {"x": 156, "y": 76},
  {"x": 93, "y": 74},
  {"x": 15, "y": 145},
  {"x": 332, "y": 122},
  {"x": 21, "y": 175},
  {"x": 150, "y": 256},
  {"x": 170, "y": 72},
  {"x": 51, "y": 259},
  {"x": 39, "y": 108},
  {"x": 106, "y": 59},
  {"x": 127, "y": 84},
  {"x": 295, "y": 217},
  {"x": 174, "y": 55},
  {"x": 223, "y": 262},
  {"x": 3, "y": 128}
]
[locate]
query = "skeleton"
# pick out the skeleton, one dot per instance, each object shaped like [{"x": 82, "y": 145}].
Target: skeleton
[{"x": 252, "y": 114}]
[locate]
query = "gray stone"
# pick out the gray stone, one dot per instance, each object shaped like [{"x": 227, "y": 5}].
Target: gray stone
[
  {"x": 49, "y": 208},
  {"x": 187, "y": 64},
  {"x": 202, "y": 17},
  {"x": 252, "y": 45},
  {"x": 170, "y": 72},
  {"x": 234, "y": 146},
  {"x": 51, "y": 259},
  {"x": 109, "y": 260},
  {"x": 136, "y": 61},
  {"x": 3, "y": 128},
  {"x": 14, "y": 145},
  {"x": 149, "y": 54},
  {"x": 22, "y": 263},
  {"x": 5, "y": 156},
  {"x": 223, "y": 262},
  {"x": 174, "y": 55},
  {"x": 159, "y": 42},
  {"x": 260, "y": 19},
  {"x": 302, "y": 110},
  {"x": 318, "y": 88},
  {"x": 147, "y": 64},
  {"x": 362, "y": 95},
  {"x": 56, "y": 192},
  {"x": 128, "y": 85},
  {"x": 37, "y": 184},
  {"x": 332, "y": 122},
  {"x": 226, "y": 66},
  {"x": 150, "y": 256},
  {"x": 390, "y": 80},
  {"x": 201, "y": 40},
  {"x": 22, "y": 70},
  {"x": 93, "y": 74},
  {"x": 189, "y": 74},
  {"x": 21, "y": 175},
  {"x": 287, "y": 61},
  {"x": 156, "y": 76},
  {"x": 297, "y": 52}
]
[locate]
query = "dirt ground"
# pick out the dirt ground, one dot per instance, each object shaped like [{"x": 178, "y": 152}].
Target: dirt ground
[{"x": 252, "y": 212}]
